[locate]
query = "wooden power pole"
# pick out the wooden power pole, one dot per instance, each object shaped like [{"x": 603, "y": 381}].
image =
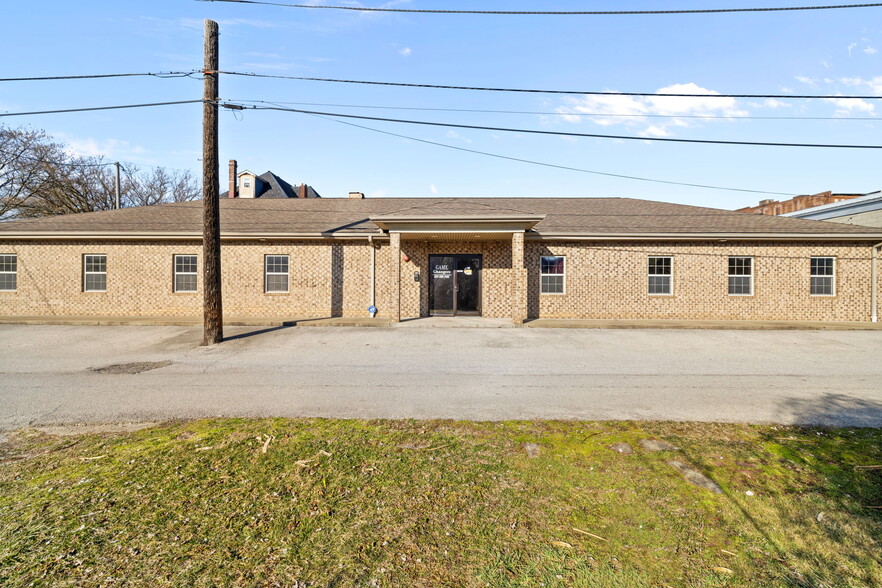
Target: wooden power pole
[{"x": 213, "y": 328}]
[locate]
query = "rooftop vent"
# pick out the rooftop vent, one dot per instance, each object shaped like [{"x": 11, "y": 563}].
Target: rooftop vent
[{"x": 356, "y": 195}]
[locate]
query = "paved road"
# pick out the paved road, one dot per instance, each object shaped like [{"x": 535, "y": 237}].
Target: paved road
[{"x": 829, "y": 377}]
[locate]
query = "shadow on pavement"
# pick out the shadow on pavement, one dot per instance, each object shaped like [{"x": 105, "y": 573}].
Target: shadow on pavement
[
  {"x": 248, "y": 334},
  {"x": 832, "y": 410}
]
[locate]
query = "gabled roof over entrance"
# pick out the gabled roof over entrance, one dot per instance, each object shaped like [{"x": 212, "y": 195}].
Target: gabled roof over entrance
[{"x": 543, "y": 218}]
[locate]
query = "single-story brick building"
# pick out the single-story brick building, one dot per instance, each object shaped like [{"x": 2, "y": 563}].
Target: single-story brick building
[{"x": 517, "y": 258}]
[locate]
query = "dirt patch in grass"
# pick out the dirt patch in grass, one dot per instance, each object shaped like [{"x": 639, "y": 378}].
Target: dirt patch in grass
[{"x": 407, "y": 503}]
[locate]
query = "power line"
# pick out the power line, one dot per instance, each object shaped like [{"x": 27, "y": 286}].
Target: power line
[
  {"x": 99, "y": 108},
  {"x": 556, "y": 166},
  {"x": 162, "y": 74},
  {"x": 578, "y": 92},
  {"x": 592, "y": 114},
  {"x": 553, "y": 13},
  {"x": 556, "y": 133},
  {"x": 47, "y": 162},
  {"x": 123, "y": 164}
]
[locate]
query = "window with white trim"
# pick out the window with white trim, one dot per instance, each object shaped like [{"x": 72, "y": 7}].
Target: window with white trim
[
  {"x": 94, "y": 273},
  {"x": 276, "y": 279},
  {"x": 823, "y": 276},
  {"x": 740, "y": 276},
  {"x": 185, "y": 273},
  {"x": 661, "y": 272},
  {"x": 552, "y": 273},
  {"x": 8, "y": 272}
]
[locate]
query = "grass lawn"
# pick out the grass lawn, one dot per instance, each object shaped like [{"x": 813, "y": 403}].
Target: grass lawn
[{"x": 415, "y": 503}]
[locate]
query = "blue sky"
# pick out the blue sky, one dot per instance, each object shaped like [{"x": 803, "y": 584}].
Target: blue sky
[{"x": 814, "y": 52}]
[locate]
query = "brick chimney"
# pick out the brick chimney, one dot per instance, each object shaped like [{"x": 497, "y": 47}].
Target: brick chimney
[
  {"x": 301, "y": 192},
  {"x": 233, "y": 172},
  {"x": 356, "y": 195}
]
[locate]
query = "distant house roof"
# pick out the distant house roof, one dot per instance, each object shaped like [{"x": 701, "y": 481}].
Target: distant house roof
[
  {"x": 275, "y": 187},
  {"x": 550, "y": 218},
  {"x": 866, "y": 203}
]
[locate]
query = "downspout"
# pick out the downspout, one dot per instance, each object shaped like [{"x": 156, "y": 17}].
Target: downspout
[
  {"x": 374, "y": 276},
  {"x": 874, "y": 260}
]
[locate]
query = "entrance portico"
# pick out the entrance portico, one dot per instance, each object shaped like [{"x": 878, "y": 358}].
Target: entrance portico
[{"x": 444, "y": 265}]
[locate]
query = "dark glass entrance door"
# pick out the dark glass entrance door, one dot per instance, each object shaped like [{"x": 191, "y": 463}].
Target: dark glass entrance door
[{"x": 454, "y": 284}]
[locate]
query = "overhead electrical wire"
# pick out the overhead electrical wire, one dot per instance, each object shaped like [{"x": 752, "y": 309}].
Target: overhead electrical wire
[
  {"x": 575, "y": 92},
  {"x": 15, "y": 156},
  {"x": 590, "y": 114},
  {"x": 554, "y": 133},
  {"x": 123, "y": 164},
  {"x": 554, "y": 12},
  {"x": 553, "y": 165},
  {"x": 98, "y": 108},
  {"x": 162, "y": 74}
]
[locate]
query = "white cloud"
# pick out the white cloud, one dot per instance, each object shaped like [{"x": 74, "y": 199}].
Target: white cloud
[
  {"x": 433, "y": 189},
  {"x": 851, "y": 48},
  {"x": 775, "y": 103},
  {"x": 849, "y": 106},
  {"x": 805, "y": 80},
  {"x": 108, "y": 148},
  {"x": 655, "y": 131},
  {"x": 826, "y": 64},
  {"x": 870, "y": 50},
  {"x": 639, "y": 111},
  {"x": 405, "y": 51},
  {"x": 873, "y": 84},
  {"x": 451, "y": 134}
]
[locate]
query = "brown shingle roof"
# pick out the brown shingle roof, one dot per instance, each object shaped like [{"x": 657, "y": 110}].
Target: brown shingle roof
[{"x": 564, "y": 216}]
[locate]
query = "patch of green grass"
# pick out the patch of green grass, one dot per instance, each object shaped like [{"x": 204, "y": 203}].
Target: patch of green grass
[{"x": 415, "y": 503}]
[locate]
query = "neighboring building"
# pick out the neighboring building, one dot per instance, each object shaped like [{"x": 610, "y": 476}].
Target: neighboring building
[
  {"x": 774, "y": 207},
  {"x": 268, "y": 185},
  {"x": 865, "y": 210},
  {"x": 520, "y": 258}
]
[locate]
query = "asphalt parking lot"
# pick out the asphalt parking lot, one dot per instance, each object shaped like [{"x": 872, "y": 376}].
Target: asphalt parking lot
[{"x": 54, "y": 374}]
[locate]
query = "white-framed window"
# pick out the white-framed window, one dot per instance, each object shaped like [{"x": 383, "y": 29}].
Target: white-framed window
[
  {"x": 741, "y": 276},
  {"x": 276, "y": 279},
  {"x": 8, "y": 272},
  {"x": 185, "y": 273},
  {"x": 661, "y": 275},
  {"x": 94, "y": 273},
  {"x": 552, "y": 272},
  {"x": 823, "y": 276}
]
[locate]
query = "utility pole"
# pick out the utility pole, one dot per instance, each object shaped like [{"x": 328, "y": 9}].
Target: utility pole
[
  {"x": 116, "y": 185},
  {"x": 213, "y": 328}
]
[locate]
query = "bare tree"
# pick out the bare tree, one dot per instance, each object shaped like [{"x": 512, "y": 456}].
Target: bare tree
[
  {"x": 26, "y": 156},
  {"x": 159, "y": 186},
  {"x": 38, "y": 178},
  {"x": 77, "y": 185}
]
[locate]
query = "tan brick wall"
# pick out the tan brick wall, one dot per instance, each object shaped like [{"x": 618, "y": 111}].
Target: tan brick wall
[
  {"x": 140, "y": 280},
  {"x": 604, "y": 280},
  {"x": 609, "y": 280}
]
